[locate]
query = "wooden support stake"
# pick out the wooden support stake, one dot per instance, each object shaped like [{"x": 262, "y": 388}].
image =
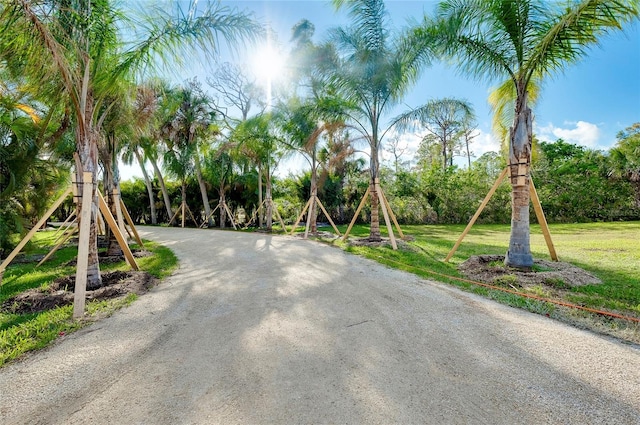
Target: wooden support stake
[
  {"x": 63, "y": 225},
  {"x": 274, "y": 208},
  {"x": 127, "y": 217},
  {"x": 254, "y": 216},
  {"x": 116, "y": 201},
  {"x": 116, "y": 231},
  {"x": 477, "y": 214},
  {"x": 82, "y": 264},
  {"x": 102, "y": 228},
  {"x": 65, "y": 238},
  {"x": 355, "y": 216},
  {"x": 537, "y": 207},
  {"x": 328, "y": 216},
  {"x": 33, "y": 231},
  {"x": 174, "y": 216},
  {"x": 191, "y": 214},
  {"x": 308, "y": 223},
  {"x": 385, "y": 213},
  {"x": 393, "y": 216},
  {"x": 295, "y": 225},
  {"x": 226, "y": 208},
  {"x": 206, "y": 219}
]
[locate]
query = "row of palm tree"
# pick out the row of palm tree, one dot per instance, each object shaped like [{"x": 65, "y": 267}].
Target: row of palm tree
[
  {"x": 84, "y": 69},
  {"x": 78, "y": 55},
  {"x": 516, "y": 44}
]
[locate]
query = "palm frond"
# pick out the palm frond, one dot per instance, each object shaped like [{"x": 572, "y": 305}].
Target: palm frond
[
  {"x": 446, "y": 109},
  {"x": 171, "y": 36},
  {"x": 502, "y": 102}
]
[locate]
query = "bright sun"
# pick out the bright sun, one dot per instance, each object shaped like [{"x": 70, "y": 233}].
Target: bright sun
[
  {"x": 268, "y": 64},
  {"x": 268, "y": 68}
]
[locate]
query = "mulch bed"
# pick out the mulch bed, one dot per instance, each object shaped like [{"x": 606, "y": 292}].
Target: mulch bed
[{"x": 60, "y": 292}]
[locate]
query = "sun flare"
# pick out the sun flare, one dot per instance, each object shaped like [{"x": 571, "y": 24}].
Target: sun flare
[
  {"x": 268, "y": 68},
  {"x": 268, "y": 64}
]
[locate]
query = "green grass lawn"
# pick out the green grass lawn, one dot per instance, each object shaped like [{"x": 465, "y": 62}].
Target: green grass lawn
[
  {"x": 610, "y": 251},
  {"x": 20, "y": 333}
]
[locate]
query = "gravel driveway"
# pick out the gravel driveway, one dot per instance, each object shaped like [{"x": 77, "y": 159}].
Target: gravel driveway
[{"x": 259, "y": 329}]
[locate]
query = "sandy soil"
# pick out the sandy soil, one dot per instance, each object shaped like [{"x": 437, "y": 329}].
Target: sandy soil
[{"x": 257, "y": 329}]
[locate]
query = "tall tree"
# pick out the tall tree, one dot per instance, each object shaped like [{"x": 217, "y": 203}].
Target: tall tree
[
  {"x": 145, "y": 110},
  {"x": 29, "y": 173},
  {"x": 218, "y": 170},
  {"x": 237, "y": 89},
  {"x": 257, "y": 140},
  {"x": 115, "y": 125},
  {"x": 193, "y": 123},
  {"x": 523, "y": 41},
  {"x": 178, "y": 162},
  {"x": 373, "y": 69},
  {"x": 445, "y": 118},
  {"x": 306, "y": 125}
]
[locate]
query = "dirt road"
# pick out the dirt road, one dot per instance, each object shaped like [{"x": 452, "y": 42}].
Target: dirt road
[{"x": 255, "y": 329}]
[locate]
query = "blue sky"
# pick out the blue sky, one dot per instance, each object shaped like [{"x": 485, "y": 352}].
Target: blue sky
[{"x": 587, "y": 104}]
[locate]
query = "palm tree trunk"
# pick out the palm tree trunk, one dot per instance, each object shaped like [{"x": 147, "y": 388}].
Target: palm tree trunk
[
  {"x": 87, "y": 160},
  {"x": 147, "y": 182},
  {"x": 519, "y": 253},
  {"x": 223, "y": 210},
  {"x": 374, "y": 229},
  {"x": 163, "y": 188},
  {"x": 260, "y": 221},
  {"x": 203, "y": 191},
  {"x": 313, "y": 217},
  {"x": 113, "y": 247},
  {"x": 184, "y": 201},
  {"x": 269, "y": 212}
]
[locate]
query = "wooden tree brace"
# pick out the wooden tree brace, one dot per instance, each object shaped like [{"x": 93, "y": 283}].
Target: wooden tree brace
[
  {"x": 328, "y": 216},
  {"x": 33, "y": 231},
  {"x": 355, "y": 215},
  {"x": 79, "y": 292},
  {"x": 385, "y": 213},
  {"x": 477, "y": 214},
  {"x": 106, "y": 212},
  {"x": 127, "y": 217},
  {"x": 295, "y": 225},
  {"x": 537, "y": 206}
]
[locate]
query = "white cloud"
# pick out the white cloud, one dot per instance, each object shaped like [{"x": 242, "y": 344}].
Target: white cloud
[
  {"x": 583, "y": 133},
  {"x": 483, "y": 143}
]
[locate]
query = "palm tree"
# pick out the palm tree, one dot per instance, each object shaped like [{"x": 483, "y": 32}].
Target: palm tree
[
  {"x": 218, "y": 170},
  {"x": 178, "y": 162},
  {"x": 145, "y": 110},
  {"x": 373, "y": 70},
  {"x": 445, "y": 118},
  {"x": 115, "y": 126},
  {"x": 193, "y": 124},
  {"x": 523, "y": 41},
  {"x": 256, "y": 140},
  {"x": 305, "y": 124},
  {"x": 77, "y": 50}
]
